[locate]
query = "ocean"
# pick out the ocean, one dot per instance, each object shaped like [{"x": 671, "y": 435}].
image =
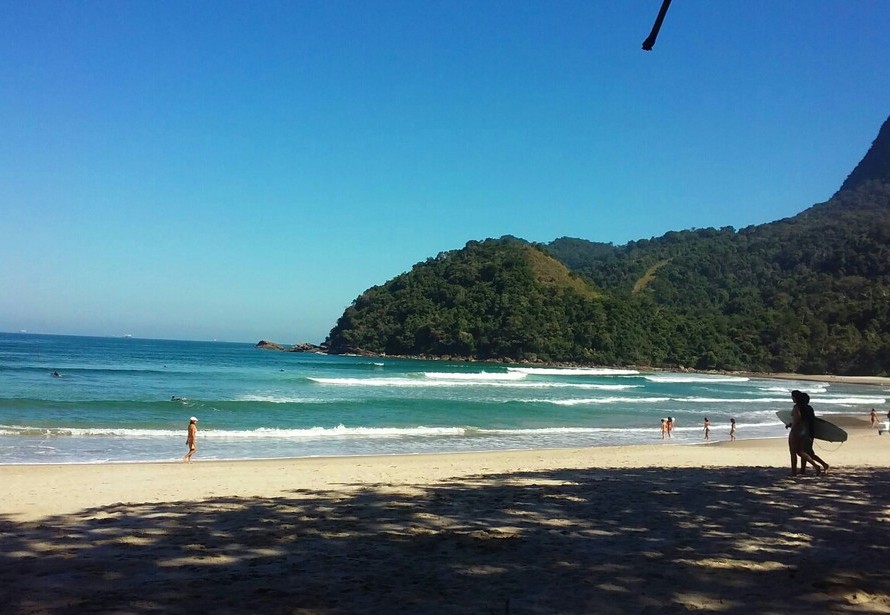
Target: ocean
[{"x": 130, "y": 400}]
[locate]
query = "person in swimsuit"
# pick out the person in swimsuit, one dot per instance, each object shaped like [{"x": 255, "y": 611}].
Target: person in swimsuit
[
  {"x": 664, "y": 427},
  {"x": 191, "y": 440},
  {"x": 732, "y": 430},
  {"x": 707, "y": 429}
]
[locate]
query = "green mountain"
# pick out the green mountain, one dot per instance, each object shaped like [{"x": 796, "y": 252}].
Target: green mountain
[
  {"x": 806, "y": 294},
  {"x": 491, "y": 299},
  {"x": 876, "y": 164}
]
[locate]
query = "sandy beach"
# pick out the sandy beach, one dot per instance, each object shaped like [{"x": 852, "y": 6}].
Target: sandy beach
[{"x": 658, "y": 528}]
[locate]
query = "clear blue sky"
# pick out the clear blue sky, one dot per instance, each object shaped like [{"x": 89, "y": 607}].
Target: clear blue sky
[{"x": 244, "y": 170}]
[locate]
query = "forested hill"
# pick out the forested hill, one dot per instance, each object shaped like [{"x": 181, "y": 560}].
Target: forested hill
[
  {"x": 808, "y": 294},
  {"x": 492, "y": 299}
]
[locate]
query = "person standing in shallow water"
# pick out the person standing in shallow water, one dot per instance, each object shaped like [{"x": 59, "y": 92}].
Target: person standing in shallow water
[
  {"x": 191, "y": 440},
  {"x": 664, "y": 427},
  {"x": 732, "y": 430},
  {"x": 670, "y": 426},
  {"x": 707, "y": 429}
]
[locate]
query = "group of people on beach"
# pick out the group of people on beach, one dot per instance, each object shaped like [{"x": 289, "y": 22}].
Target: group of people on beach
[
  {"x": 801, "y": 435},
  {"x": 667, "y": 427},
  {"x": 707, "y": 429}
]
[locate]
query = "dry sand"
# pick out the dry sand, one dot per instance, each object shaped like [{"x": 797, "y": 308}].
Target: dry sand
[{"x": 663, "y": 528}]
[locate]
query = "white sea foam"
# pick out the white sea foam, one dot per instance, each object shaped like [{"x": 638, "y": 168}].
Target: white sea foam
[
  {"x": 50, "y": 432},
  {"x": 282, "y": 399},
  {"x": 573, "y": 371},
  {"x": 731, "y": 400},
  {"x": 262, "y": 432},
  {"x": 475, "y": 376},
  {"x": 812, "y": 389},
  {"x": 687, "y": 378},
  {"x": 849, "y": 401},
  {"x": 600, "y": 387},
  {"x": 588, "y": 386},
  {"x": 466, "y": 382},
  {"x": 371, "y": 382},
  {"x": 600, "y": 400}
]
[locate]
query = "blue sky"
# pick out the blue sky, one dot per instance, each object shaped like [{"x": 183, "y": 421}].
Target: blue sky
[{"x": 244, "y": 170}]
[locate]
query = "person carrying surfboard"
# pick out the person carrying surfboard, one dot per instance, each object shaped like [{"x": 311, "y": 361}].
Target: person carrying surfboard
[
  {"x": 800, "y": 437},
  {"x": 809, "y": 417}
]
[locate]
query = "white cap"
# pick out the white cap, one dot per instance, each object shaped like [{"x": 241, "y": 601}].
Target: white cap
[{"x": 193, "y": 420}]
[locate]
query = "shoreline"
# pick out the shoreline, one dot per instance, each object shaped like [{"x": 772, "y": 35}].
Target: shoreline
[
  {"x": 656, "y": 441},
  {"x": 34, "y": 490},
  {"x": 717, "y": 527},
  {"x": 830, "y": 378}
]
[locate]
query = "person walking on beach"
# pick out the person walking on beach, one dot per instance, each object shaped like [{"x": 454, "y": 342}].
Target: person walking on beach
[
  {"x": 732, "y": 430},
  {"x": 191, "y": 440},
  {"x": 809, "y": 417},
  {"x": 874, "y": 418},
  {"x": 664, "y": 427},
  {"x": 707, "y": 429},
  {"x": 798, "y": 436}
]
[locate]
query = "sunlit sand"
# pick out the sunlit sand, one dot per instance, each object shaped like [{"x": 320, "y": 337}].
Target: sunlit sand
[{"x": 718, "y": 527}]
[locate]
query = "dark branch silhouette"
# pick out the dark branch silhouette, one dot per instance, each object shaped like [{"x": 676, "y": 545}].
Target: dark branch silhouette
[{"x": 650, "y": 40}]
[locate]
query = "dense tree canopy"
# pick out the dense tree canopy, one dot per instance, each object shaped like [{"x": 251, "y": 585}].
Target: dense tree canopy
[{"x": 806, "y": 294}]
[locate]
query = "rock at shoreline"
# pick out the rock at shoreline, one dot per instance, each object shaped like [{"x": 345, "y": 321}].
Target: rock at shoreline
[
  {"x": 301, "y": 347},
  {"x": 264, "y": 345},
  {"x": 307, "y": 347}
]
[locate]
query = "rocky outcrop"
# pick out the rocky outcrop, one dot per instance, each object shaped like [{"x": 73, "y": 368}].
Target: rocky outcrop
[
  {"x": 301, "y": 347},
  {"x": 306, "y": 347},
  {"x": 264, "y": 345}
]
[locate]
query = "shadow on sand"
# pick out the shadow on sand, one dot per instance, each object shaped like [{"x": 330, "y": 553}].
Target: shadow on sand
[{"x": 745, "y": 540}]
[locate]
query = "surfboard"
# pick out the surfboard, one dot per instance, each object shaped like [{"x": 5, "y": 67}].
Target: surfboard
[{"x": 824, "y": 430}]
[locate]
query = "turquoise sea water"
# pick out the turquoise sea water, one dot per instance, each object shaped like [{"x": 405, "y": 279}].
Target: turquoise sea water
[{"x": 112, "y": 402}]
